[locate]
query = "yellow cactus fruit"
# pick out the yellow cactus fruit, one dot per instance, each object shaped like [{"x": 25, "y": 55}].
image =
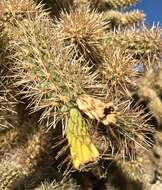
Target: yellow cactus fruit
[
  {"x": 82, "y": 149},
  {"x": 97, "y": 109}
]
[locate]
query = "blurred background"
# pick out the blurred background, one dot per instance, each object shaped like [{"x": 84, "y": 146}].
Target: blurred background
[{"x": 152, "y": 9}]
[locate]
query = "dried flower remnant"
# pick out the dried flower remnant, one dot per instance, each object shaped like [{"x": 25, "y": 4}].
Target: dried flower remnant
[{"x": 97, "y": 109}]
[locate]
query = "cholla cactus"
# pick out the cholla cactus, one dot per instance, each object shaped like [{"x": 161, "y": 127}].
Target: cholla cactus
[
  {"x": 67, "y": 185},
  {"x": 123, "y": 19},
  {"x": 142, "y": 43},
  {"x": 112, "y": 4},
  {"x": 112, "y": 15},
  {"x": 149, "y": 90},
  {"x": 55, "y": 7},
  {"x": 24, "y": 161},
  {"x": 81, "y": 32},
  {"x": 73, "y": 76}
]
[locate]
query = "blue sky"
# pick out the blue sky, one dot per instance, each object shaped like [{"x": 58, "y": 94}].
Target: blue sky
[{"x": 152, "y": 9}]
